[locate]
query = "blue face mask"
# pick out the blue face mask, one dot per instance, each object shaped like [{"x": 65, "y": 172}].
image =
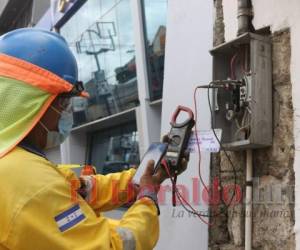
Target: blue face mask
[{"x": 65, "y": 124}]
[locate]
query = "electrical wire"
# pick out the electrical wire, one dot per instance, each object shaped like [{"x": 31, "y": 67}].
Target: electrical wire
[
  {"x": 178, "y": 194},
  {"x": 244, "y": 65},
  {"x": 197, "y": 140},
  {"x": 232, "y": 66},
  {"x": 222, "y": 148},
  {"x": 245, "y": 125},
  {"x": 181, "y": 199}
]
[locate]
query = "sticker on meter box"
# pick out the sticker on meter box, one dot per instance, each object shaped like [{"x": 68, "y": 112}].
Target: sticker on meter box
[{"x": 207, "y": 141}]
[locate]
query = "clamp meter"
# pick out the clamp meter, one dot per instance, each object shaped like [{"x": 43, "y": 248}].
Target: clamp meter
[{"x": 179, "y": 136}]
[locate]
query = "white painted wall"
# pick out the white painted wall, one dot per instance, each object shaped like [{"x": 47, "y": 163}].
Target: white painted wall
[
  {"x": 188, "y": 64},
  {"x": 74, "y": 149},
  {"x": 54, "y": 155},
  {"x": 278, "y": 15}
]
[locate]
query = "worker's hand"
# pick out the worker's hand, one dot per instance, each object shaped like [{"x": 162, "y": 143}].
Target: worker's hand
[{"x": 151, "y": 180}]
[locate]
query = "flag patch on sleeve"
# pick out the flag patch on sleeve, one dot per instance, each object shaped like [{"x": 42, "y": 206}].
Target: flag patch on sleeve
[{"x": 69, "y": 218}]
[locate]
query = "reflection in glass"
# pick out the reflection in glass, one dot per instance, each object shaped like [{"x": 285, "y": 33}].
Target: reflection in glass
[
  {"x": 114, "y": 150},
  {"x": 155, "y": 12},
  {"x": 100, "y": 35}
]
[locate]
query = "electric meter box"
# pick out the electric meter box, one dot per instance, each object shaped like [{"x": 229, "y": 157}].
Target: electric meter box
[{"x": 244, "y": 112}]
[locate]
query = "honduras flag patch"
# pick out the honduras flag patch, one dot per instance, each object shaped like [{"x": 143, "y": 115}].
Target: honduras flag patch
[{"x": 69, "y": 218}]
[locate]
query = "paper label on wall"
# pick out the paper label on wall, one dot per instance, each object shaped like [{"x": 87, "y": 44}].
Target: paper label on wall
[{"x": 207, "y": 141}]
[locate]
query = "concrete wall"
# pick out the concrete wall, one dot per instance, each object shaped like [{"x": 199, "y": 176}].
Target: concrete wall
[
  {"x": 277, "y": 165},
  {"x": 188, "y": 64}
]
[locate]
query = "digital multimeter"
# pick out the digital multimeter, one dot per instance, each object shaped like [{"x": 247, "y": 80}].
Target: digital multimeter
[{"x": 179, "y": 136}]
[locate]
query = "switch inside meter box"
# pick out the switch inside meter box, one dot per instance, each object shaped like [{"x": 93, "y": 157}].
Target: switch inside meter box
[{"x": 242, "y": 92}]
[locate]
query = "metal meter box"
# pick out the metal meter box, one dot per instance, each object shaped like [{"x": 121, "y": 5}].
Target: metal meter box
[{"x": 242, "y": 92}]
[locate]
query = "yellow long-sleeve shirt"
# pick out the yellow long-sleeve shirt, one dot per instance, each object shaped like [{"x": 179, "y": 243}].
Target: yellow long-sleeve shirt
[{"x": 38, "y": 212}]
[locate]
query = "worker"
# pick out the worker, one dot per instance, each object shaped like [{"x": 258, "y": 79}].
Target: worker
[{"x": 38, "y": 210}]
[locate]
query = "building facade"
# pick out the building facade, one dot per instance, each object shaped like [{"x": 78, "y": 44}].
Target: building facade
[
  {"x": 18, "y": 14},
  {"x": 139, "y": 60},
  {"x": 121, "y": 48}
]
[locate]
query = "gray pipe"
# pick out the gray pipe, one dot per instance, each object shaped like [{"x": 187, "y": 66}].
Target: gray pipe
[{"x": 244, "y": 16}]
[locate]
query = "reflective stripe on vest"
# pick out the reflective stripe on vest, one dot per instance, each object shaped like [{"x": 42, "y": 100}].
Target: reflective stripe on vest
[{"x": 127, "y": 238}]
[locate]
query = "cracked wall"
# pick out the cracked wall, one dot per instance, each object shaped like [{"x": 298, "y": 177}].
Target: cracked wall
[{"x": 273, "y": 197}]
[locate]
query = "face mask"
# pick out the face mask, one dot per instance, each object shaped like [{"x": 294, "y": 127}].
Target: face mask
[{"x": 65, "y": 124}]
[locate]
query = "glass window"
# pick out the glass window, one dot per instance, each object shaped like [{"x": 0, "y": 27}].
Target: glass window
[
  {"x": 100, "y": 35},
  {"x": 155, "y": 15},
  {"x": 114, "y": 150}
]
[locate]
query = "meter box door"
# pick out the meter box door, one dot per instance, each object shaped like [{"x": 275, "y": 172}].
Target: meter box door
[{"x": 244, "y": 110}]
